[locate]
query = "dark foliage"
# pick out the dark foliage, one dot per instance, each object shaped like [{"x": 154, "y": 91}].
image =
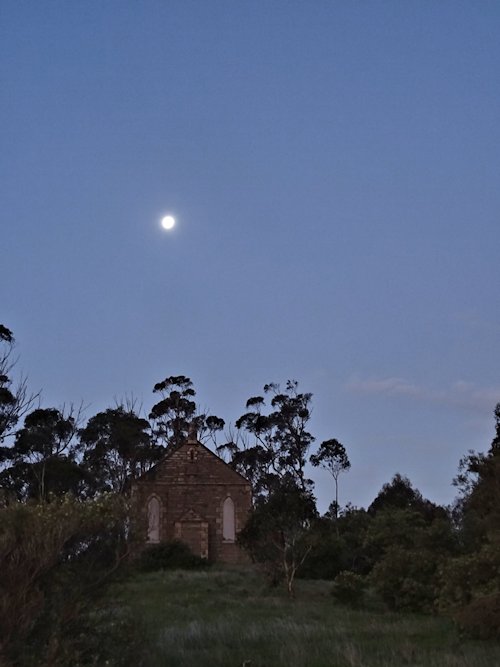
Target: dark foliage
[
  {"x": 274, "y": 446},
  {"x": 332, "y": 456},
  {"x": 480, "y": 619},
  {"x": 349, "y": 588},
  {"x": 57, "y": 559},
  {"x": 278, "y": 533},
  {"x": 42, "y": 460},
  {"x": 176, "y": 414},
  {"x": 117, "y": 447},
  {"x": 15, "y": 400},
  {"x": 400, "y": 494},
  {"x": 168, "y": 556},
  {"x": 328, "y": 556}
]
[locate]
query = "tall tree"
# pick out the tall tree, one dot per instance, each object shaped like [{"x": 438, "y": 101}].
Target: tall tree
[
  {"x": 471, "y": 581},
  {"x": 399, "y": 493},
  {"x": 14, "y": 401},
  {"x": 479, "y": 484},
  {"x": 273, "y": 447},
  {"x": 176, "y": 413},
  {"x": 332, "y": 456},
  {"x": 278, "y": 531},
  {"x": 117, "y": 446},
  {"x": 42, "y": 460},
  {"x": 271, "y": 451}
]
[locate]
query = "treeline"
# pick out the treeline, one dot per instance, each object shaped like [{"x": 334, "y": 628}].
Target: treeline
[
  {"x": 65, "y": 518},
  {"x": 50, "y": 452},
  {"x": 67, "y": 527},
  {"x": 402, "y": 551}
]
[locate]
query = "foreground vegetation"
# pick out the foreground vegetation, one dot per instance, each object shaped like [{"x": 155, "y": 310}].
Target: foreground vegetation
[
  {"x": 68, "y": 532},
  {"x": 232, "y": 617}
]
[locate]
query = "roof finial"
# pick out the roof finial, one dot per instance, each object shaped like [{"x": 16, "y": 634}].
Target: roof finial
[{"x": 192, "y": 433}]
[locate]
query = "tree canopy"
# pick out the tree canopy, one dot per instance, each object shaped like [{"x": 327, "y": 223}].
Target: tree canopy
[
  {"x": 412, "y": 553},
  {"x": 15, "y": 401},
  {"x": 176, "y": 413},
  {"x": 42, "y": 460},
  {"x": 271, "y": 451},
  {"x": 117, "y": 447},
  {"x": 332, "y": 456},
  {"x": 271, "y": 446}
]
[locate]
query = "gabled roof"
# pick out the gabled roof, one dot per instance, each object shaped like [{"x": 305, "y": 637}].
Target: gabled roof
[{"x": 190, "y": 443}]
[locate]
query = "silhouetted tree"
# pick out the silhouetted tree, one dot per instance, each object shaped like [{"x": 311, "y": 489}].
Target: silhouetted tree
[
  {"x": 42, "y": 460},
  {"x": 117, "y": 446},
  {"x": 408, "y": 541},
  {"x": 272, "y": 447},
  {"x": 332, "y": 456},
  {"x": 14, "y": 401},
  {"x": 271, "y": 451},
  {"x": 479, "y": 484},
  {"x": 177, "y": 413},
  {"x": 400, "y": 494},
  {"x": 278, "y": 531}
]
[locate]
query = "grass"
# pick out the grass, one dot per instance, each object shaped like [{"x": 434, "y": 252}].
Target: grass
[{"x": 229, "y": 618}]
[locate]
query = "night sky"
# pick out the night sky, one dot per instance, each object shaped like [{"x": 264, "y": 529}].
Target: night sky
[{"x": 333, "y": 167}]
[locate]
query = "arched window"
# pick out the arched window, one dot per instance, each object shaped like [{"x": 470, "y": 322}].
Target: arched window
[
  {"x": 153, "y": 520},
  {"x": 228, "y": 523}
]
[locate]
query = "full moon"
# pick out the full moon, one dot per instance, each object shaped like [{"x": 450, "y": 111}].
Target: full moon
[{"x": 168, "y": 222}]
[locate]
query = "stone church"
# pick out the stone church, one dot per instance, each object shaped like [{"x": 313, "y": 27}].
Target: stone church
[{"x": 192, "y": 495}]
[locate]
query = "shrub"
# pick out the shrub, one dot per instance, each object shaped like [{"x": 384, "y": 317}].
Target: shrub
[
  {"x": 349, "y": 588},
  {"x": 480, "y": 619},
  {"x": 470, "y": 576},
  {"x": 405, "y": 579},
  {"x": 56, "y": 561},
  {"x": 169, "y": 555},
  {"x": 326, "y": 558}
]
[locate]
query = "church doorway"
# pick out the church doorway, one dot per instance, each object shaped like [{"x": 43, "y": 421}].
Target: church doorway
[{"x": 193, "y": 532}]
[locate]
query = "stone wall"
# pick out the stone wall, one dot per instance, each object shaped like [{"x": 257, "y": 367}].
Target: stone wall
[{"x": 191, "y": 484}]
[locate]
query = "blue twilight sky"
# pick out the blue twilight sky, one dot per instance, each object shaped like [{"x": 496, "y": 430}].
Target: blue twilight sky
[{"x": 334, "y": 170}]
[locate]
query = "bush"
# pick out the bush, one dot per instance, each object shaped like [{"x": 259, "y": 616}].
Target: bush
[
  {"x": 481, "y": 618},
  {"x": 405, "y": 579},
  {"x": 56, "y": 561},
  {"x": 168, "y": 556},
  {"x": 349, "y": 588},
  {"x": 470, "y": 576},
  {"x": 326, "y": 558}
]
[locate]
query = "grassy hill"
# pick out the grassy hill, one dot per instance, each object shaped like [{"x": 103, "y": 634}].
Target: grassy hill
[{"x": 228, "y": 618}]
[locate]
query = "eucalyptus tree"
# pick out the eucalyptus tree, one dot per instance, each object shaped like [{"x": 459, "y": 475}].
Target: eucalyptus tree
[
  {"x": 271, "y": 446},
  {"x": 15, "y": 401},
  {"x": 278, "y": 533},
  {"x": 176, "y": 414},
  {"x": 116, "y": 446},
  {"x": 42, "y": 460},
  {"x": 332, "y": 456},
  {"x": 270, "y": 449}
]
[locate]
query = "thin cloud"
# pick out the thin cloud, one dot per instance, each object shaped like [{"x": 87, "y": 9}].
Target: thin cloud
[
  {"x": 392, "y": 386},
  {"x": 466, "y": 394},
  {"x": 460, "y": 394}
]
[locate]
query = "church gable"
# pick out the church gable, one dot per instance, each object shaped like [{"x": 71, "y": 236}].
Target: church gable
[
  {"x": 194, "y": 496},
  {"x": 193, "y": 460}
]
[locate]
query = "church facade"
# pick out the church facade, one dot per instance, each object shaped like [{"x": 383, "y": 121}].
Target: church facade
[{"x": 192, "y": 495}]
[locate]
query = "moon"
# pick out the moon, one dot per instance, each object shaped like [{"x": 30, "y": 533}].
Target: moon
[{"x": 168, "y": 222}]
